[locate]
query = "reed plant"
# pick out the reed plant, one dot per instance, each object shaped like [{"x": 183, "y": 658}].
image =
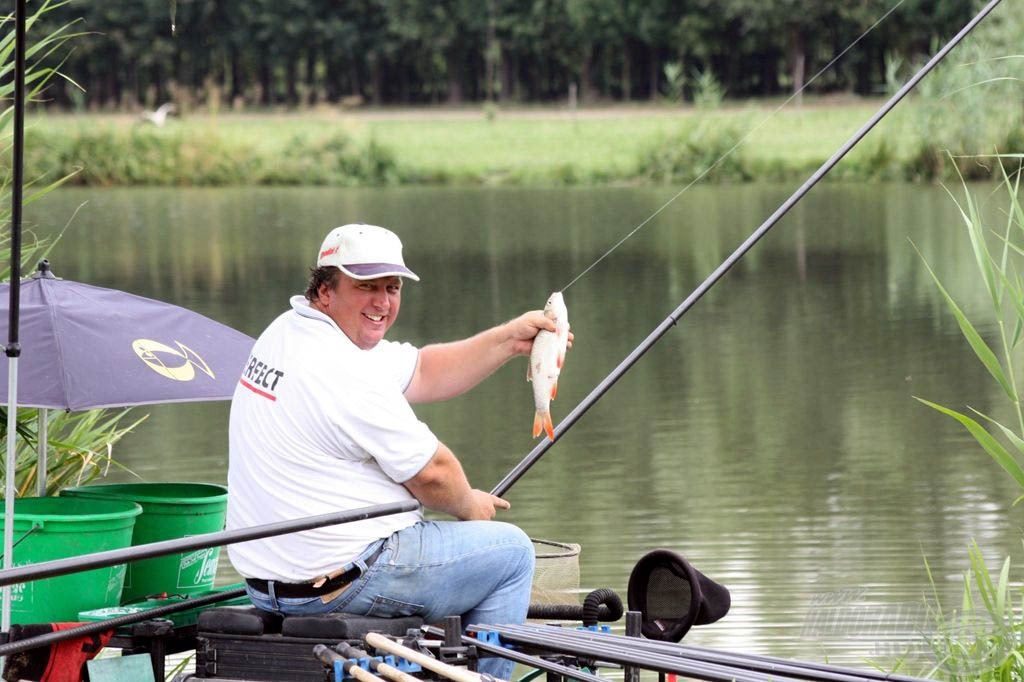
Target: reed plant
[
  {"x": 78, "y": 445},
  {"x": 1002, "y": 271},
  {"x": 981, "y": 640},
  {"x": 984, "y": 639}
]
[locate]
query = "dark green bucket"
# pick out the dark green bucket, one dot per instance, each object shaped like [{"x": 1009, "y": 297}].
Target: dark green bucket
[
  {"x": 47, "y": 528},
  {"x": 169, "y": 511}
]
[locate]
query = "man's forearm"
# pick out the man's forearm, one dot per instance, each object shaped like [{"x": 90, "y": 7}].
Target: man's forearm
[
  {"x": 442, "y": 486},
  {"x": 450, "y": 369}
]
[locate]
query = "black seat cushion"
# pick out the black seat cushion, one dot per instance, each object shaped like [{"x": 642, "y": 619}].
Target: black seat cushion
[{"x": 239, "y": 620}]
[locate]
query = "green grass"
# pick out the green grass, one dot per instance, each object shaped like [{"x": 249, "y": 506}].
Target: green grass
[{"x": 535, "y": 145}]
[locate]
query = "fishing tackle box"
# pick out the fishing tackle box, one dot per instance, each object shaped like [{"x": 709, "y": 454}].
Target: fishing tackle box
[{"x": 244, "y": 643}]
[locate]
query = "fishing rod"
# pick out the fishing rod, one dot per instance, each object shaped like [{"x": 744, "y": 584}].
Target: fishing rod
[
  {"x": 766, "y": 664},
  {"x": 517, "y": 472},
  {"x": 549, "y": 638},
  {"x": 49, "y": 569},
  {"x": 116, "y": 622},
  {"x": 668, "y": 657}
]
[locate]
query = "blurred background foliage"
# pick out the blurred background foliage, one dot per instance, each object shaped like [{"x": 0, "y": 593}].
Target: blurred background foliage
[{"x": 221, "y": 53}]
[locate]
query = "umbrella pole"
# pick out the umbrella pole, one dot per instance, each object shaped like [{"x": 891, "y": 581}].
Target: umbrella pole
[
  {"x": 42, "y": 438},
  {"x": 11, "y": 466},
  {"x": 13, "y": 349}
]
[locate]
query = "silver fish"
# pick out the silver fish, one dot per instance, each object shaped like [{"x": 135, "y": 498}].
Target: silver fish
[{"x": 546, "y": 361}]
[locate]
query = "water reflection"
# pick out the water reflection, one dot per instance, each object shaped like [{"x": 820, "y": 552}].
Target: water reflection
[{"x": 772, "y": 437}]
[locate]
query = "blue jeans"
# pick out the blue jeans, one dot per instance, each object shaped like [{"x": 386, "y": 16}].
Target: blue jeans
[{"x": 480, "y": 570}]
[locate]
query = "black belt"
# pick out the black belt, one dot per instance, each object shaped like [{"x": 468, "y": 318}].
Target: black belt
[{"x": 300, "y": 590}]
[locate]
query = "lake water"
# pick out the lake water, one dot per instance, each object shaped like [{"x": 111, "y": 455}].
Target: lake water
[{"x": 772, "y": 437}]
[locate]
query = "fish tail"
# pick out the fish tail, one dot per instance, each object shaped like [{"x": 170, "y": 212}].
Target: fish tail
[
  {"x": 549, "y": 428},
  {"x": 538, "y": 423}
]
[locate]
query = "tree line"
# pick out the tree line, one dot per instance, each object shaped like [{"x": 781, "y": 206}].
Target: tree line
[{"x": 217, "y": 53}]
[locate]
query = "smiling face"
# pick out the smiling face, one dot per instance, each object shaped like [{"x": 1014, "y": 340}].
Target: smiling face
[{"x": 363, "y": 309}]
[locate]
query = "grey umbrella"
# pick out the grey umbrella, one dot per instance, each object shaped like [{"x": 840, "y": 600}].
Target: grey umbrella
[{"x": 85, "y": 347}]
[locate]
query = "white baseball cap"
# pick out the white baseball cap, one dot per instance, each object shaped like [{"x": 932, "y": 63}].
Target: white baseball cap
[{"x": 364, "y": 252}]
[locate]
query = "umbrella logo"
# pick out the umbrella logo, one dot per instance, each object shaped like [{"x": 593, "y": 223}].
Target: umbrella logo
[{"x": 154, "y": 354}]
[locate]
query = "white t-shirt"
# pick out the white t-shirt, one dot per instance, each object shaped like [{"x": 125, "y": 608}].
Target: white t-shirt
[{"x": 318, "y": 426}]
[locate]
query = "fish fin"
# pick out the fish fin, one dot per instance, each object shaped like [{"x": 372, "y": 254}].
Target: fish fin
[
  {"x": 561, "y": 359},
  {"x": 549, "y": 428},
  {"x": 537, "y": 424},
  {"x": 554, "y": 390}
]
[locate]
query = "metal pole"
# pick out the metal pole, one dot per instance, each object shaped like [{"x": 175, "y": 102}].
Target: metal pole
[
  {"x": 634, "y": 629},
  {"x": 616, "y": 374},
  {"x": 83, "y": 562},
  {"x": 42, "y": 443},
  {"x": 11, "y": 466},
  {"x": 13, "y": 349},
  {"x": 119, "y": 621}
]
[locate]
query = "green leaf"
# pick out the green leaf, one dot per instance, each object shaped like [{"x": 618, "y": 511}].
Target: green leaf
[
  {"x": 985, "y": 439},
  {"x": 976, "y": 234},
  {"x": 1016, "y": 213},
  {"x": 1011, "y": 436},
  {"x": 981, "y": 349},
  {"x": 1003, "y": 587}
]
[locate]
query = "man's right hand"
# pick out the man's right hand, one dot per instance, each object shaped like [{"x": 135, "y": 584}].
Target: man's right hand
[
  {"x": 482, "y": 506},
  {"x": 441, "y": 485}
]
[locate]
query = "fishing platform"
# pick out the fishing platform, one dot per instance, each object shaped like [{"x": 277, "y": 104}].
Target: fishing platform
[
  {"x": 240, "y": 643},
  {"x": 237, "y": 642}
]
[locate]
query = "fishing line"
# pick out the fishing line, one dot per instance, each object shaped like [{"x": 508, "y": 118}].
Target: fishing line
[
  {"x": 737, "y": 145},
  {"x": 517, "y": 472}
]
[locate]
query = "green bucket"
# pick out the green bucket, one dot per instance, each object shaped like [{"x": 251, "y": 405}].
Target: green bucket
[
  {"x": 47, "y": 528},
  {"x": 169, "y": 511}
]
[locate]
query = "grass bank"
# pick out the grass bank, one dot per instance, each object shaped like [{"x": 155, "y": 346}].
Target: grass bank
[{"x": 528, "y": 146}]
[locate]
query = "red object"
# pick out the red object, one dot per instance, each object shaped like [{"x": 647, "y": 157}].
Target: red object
[{"x": 58, "y": 662}]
